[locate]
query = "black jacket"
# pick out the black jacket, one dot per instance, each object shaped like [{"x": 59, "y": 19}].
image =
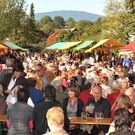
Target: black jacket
[{"x": 79, "y": 106}]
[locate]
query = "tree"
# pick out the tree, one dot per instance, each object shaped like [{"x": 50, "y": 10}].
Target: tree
[
  {"x": 44, "y": 20},
  {"x": 72, "y": 22},
  {"x": 11, "y": 13},
  {"x": 59, "y": 22}
]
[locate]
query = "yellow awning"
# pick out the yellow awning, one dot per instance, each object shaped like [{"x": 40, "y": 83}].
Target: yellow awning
[
  {"x": 70, "y": 44},
  {"x": 3, "y": 47},
  {"x": 109, "y": 42}
]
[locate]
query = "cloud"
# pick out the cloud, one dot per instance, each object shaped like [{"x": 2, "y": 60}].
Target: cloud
[{"x": 95, "y": 12}]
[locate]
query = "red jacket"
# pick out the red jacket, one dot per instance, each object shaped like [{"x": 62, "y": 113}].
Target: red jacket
[{"x": 85, "y": 95}]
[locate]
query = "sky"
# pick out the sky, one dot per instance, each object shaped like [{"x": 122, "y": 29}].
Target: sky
[{"x": 92, "y": 6}]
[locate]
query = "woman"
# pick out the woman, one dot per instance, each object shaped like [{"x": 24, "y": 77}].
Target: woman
[
  {"x": 73, "y": 106},
  {"x": 19, "y": 115},
  {"x": 125, "y": 85},
  {"x": 105, "y": 88},
  {"x": 120, "y": 60},
  {"x": 122, "y": 122}
]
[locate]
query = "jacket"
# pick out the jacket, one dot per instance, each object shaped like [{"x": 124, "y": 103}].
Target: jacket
[{"x": 49, "y": 75}]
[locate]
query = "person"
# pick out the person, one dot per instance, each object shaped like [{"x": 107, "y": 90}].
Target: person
[
  {"x": 110, "y": 76},
  {"x": 122, "y": 122},
  {"x": 120, "y": 60},
  {"x": 101, "y": 105},
  {"x": 73, "y": 106},
  {"x": 10, "y": 65},
  {"x": 112, "y": 61},
  {"x": 19, "y": 115},
  {"x": 125, "y": 85},
  {"x": 130, "y": 92},
  {"x": 55, "y": 119},
  {"x": 86, "y": 92},
  {"x": 60, "y": 96},
  {"x": 127, "y": 62},
  {"x": 35, "y": 94},
  {"x": 41, "y": 108},
  {"x": 3, "y": 105},
  {"x": 11, "y": 80},
  {"x": 42, "y": 77},
  {"x": 81, "y": 80},
  {"x": 114, "y": 95},
  {"x": 105, "y": 88}
]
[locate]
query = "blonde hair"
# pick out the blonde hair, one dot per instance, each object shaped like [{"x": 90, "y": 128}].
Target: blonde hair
[
  {"x": 56, "y": 115},
  {"x": 122, "y": 99},
  {"x": 116, "y": 86},
  {"x": 104, "y": 79}
]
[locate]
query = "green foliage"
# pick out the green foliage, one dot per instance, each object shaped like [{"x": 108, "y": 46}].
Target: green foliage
[
  {"x": 59, "y": 22},
  {"x": 44, "y": 20},
  {"x": 48, "y": 28},
  {"x": 11, "y": 13}
]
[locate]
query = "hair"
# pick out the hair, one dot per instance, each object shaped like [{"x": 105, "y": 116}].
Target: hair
[
  {"x": 22, "y": 95},
  {"x": 122, "y": 99},
  {"x": 78, "y": 71},
  {"x": 32, "y": 82},
  {"x": 71, "y": 71},
  {"x": 64, "y": 75},
  {"x": 11, "y": 62},
  {"x": 110, "y": 74},
  {"x": 74, "y": 88},
  {"x": 56, "y": 83},
  {"x": 104, "y": 79},
  {"x": 86, "y": 86},
  {"x": 122, "y": 120},
  {"x": 122, "y": 74},
  {"x": 56, "y": 115},
  {"x": 18, "y": 67},
  {"x": 116, "y": 86},
  {"x": 73, "y": 79},
  {"x": 50, "y": 92},
  {"x": 40, "y": 65}
]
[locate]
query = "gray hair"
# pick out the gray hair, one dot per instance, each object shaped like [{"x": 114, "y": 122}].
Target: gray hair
[
  {"x": 56, "y": 83},
  {"x": 17, "y": 88},
  {"x": 116, "y": 86}
]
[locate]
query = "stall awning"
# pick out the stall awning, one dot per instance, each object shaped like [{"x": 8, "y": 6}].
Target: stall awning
[
  {"x": 109, "y": 42},
  {"x": 57, "y": 45},
  {"x": 3, "y": 47},
  {"x": 84, "y": 44},
  {"x": 130, "y": 46},
  {"x": 70, "y": 44}
]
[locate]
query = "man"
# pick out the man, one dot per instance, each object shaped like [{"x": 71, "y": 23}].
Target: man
[
  {"x": 125, "y": 85},
  {"x": 128, "y": 62},
  {"x": 60, "y": 96},
  {"x": 101, "y": 105},
  {"x": 35, "y": 94},
  {"x": 130, "y": 92},
  {"x": 11, "y": 80},
  {"x": 78, "y": 74},
  {"x": 43, "y": 78},
  {"x": 40, "y": 110},
  {"x": 10, "y": 65},
  {"x": 55, "y": 118},
  {"x": 86, "y": 92}
]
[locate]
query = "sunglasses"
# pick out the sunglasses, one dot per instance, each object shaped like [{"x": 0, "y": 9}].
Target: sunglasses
[{"x": 38, "y": 70}]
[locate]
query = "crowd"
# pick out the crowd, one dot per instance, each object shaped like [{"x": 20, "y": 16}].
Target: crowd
[{"x": 39, "y": 93}]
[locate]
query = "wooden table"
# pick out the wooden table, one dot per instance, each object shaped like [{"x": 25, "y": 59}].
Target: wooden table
[
  {"x": 2, "y": 118},
  {"x": 90, "y": 120}
]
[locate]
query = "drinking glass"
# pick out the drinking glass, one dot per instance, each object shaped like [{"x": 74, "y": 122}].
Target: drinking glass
[
  {"x": 91, "y": 108},
  {"x": 99, "y": 116},
  {"x": 84, "y": 116}
]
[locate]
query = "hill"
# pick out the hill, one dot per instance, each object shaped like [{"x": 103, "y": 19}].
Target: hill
[{"x": 76, "y": 15}]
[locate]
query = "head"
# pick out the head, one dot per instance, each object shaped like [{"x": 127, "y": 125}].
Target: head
[
  {"x": 23, "y": 95},
  {"x": 73, "y": 80},
  {"x": 11, "y": 62},
  {"x": 130, "y": 92},
  {"x": 18, "y": 70},
  {"x": 55, "y": 118},
  {"x": 39, "y": 70},
  {"x": 110, "y": 74},
  {"x": 122, "y": 99},
  {"x": 49, "y": 92},
  {"x": 129, "y": 56},
  {"x": 78, "y": 72},
  {"x": 125, "y": 84},
  {"x": 97, "y": 93},
  {"x": 87, "y": 86},
  {"x": 57, "y": 84},
  {"x": 73, "y": 90},
  {"x": 96, "y": 81},
  {"x": 32, "y": 82},
  {"x": 116, "y": 86},
  {"x": 104, "y": 81},
  {"x": 122, "y": 119},
  {"x": 16, "y": 89}
]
